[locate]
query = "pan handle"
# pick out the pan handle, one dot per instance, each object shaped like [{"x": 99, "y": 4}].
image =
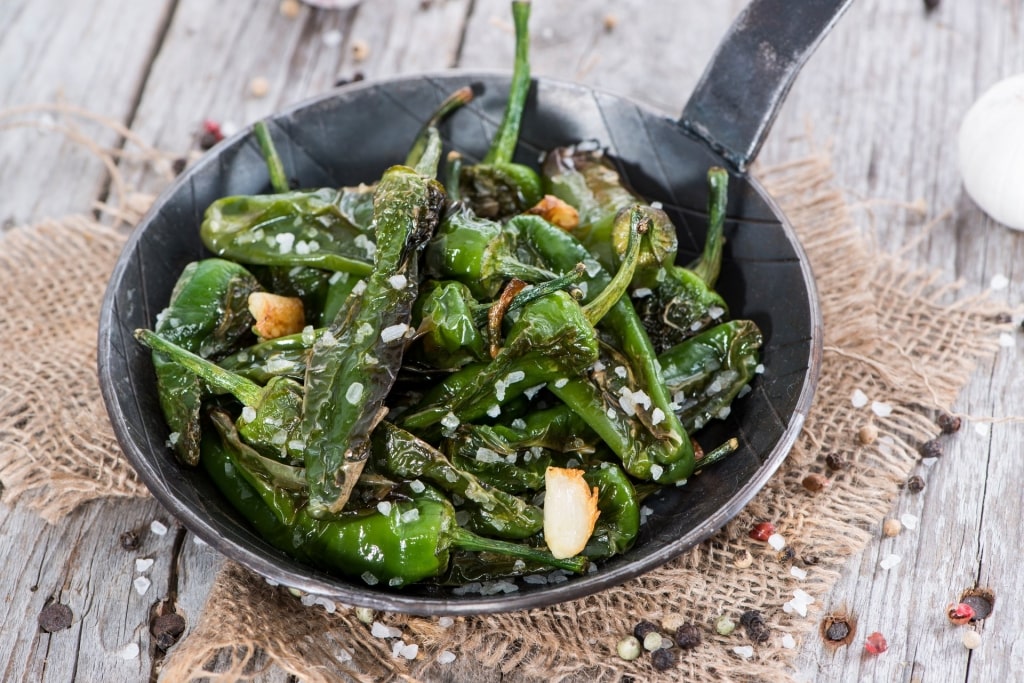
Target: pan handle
[{"x": 737, "y": 98}]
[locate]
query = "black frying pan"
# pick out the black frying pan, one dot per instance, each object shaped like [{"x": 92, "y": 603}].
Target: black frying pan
[{"x": 353, "y": 134}]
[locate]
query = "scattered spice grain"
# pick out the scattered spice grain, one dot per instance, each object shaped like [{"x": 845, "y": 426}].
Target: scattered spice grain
[
  {"x": 724, "y": 625},
  {"x": 835, "y": 462},
  {"x": 753, "y": 624},
  {"x": 981, "y": 600},
  {"x": 815, "y": 482},
  {"x": 663, "y": 659},
  {"x": 167, "y": 628},
  {"x": 129, "y": 540},
  {"x": 762, "y": 532},
  {"x": 949, "y": 423},
  {"x": 688, "y": 636},
  {"x": 959, "y": 613},
  {"x": 868, "y": 434},
  {"x": 971, "y": 639},
  {"x": 891, "y": 527},
  {"x": 55, "y": 617},
  {"x": 915, "y": 484},
  {"x": 931, "y": 449},
  {"x": 875, "y": 643},
  {"x": 628, "y": 648}
]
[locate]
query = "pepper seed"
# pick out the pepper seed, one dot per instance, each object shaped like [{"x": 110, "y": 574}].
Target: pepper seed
[
  {"x": 653, "y": 641},
  {"x": 868, "y": 434}
]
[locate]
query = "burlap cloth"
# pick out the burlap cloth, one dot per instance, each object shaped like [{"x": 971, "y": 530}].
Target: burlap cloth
[{"x": 891, "y": 331}]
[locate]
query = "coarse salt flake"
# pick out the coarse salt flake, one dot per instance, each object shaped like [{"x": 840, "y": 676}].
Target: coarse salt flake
[
  {"x": 745, "y": 651},
  {"x": 285, "y": 241},
  {"x": 327, "y": 604},
  {"x": 798, "y": 572},
  {"x": 803, "y": 597},
  {"x": 657, "y": 471},
  {"x": 450, "y": 421},
  {"x": 417, "y": 486},
  {"x": 1006, "y": 340},
  {"x": 143, "y": 563},
  {"x": 398, "y": 281},
  {"x": 141, "y": 584},
  {"x": 296, "y": 445},
  {"x": 499, "y": 390},
  {"x": 248, "y": 414},
  {"x": 999, "y": 281},
  {"x": 359, "y": 287},
  {"x": 129, "y": 651},
  {"x": 981, "y": 428},
  {"x": 642, "y": 292},
  {"x": 759, "y": 368},
  {"x": 777, "y": 541},
  {"x": 859, "y": 399},
  {"x": 716, "y": 312},
  {"x": 446, "y": 657},
  {"x": 788, "y": 642},
  {"x": 410, "y": 515},
  {"x": 494, "y": 411},
  {"x": 908, "y": 520},
  {"x": 158, "y": 527},
  {"x": 354, "y": 392},
  {"x": 889, "y": 561},
  {"x": 384, "y": 507},
  {"x": 409, "y": 651},
  {"x": 366, "y": 244},
  {"x": 331, "y": 38},
  {"x": 881, "y": 409},
  {"x": 515, "y": 376},
  {"x": 657, "y": 416},
  {"x": 393, "y": 332},
  {"x": 532, "y": 391},
  {"x": 369, "y": 578},
  {"x": 379, "y": 630},
  {"x": 620, "y": 371},
  {"x": 561, "y": 382},
  {"x": 446, "y": 622}
]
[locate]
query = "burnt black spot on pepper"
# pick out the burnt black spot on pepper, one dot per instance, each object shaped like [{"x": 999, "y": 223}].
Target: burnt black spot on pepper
[{"x": 55, "y": 617}]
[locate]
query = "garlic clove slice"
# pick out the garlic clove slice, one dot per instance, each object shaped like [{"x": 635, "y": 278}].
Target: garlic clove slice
[
  {"x": 276, "y": 316},
  {"x": 570, "y": 511}
]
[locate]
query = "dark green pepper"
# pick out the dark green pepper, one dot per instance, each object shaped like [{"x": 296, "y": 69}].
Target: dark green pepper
[
  {"x": 619, "y": 522},
  {"x": 396, "y": 543},
  {"x": 497, "y": 187},
  {"x": 355, "y": 362},
  {"x": 208, "y": 314},
  {"x": 493, "y": 512}
]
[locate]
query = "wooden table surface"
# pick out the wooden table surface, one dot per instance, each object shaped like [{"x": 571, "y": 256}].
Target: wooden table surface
[{"x": 885, "y": 92}]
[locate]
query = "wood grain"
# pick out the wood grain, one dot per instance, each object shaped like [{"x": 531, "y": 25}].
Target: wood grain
[{"x": 885, "y": 93}]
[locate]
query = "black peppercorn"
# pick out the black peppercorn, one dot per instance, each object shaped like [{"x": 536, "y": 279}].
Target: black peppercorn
[
  {"x": 931, "y": 449},
  {"x": 837, "y": 630},
  {"x": 915, "y": 484},
  {"x": 753, "y": 622},
  {"x": 663, "y": 659},
  {"x": 129, "y": 540},
  {"x": 688, "y": 636},
  {"x": 835, "y": 462},
  {"x": 948, "y": 423},
  {"x": 642, "y": 629},
  {"x": 178, "y": 165}
]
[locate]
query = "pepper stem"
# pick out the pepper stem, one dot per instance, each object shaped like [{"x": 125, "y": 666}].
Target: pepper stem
[
  {"x": 458, "y": 98},
  {"x": 467, "y": 540},
  {"x": 709, "y": 264},
  {"x": 718, "y": 454},
  {"x": 278, "y": 178},
  {"x": 504, "y": 144},
  {"x": 245, "y": 390},
  {"x": 430, "y": 156},
  {"x": 610, "y": 295}
]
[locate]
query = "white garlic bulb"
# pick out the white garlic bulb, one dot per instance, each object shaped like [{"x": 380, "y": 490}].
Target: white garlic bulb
[{"x": 991, "y": 151}]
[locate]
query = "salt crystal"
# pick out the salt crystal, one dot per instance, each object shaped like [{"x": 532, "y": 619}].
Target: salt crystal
[
  {"x": 788, "y": 607},
  {"x": 142, "y": 585},
  {"x": 398, "y": 281},
  {"x": 359, "y": 287},
  {"x": 499, "y": 390},
  {"x": 859, "y": 399},
  {"x": 410, "y": 515},
  {"x": 327, "y": 604},
  {"x": 881, "y": 409},
  {"x": 788, "y": 642},
  {"x": 369, "y": 578},
  {"x": 308, "y": 600},
  {"x": 909, "y": 520},
  {"x": 331, "y": 38},
  {"x": 379, "y": 630},
  {"x": 143, "y": 563},
  {"x": 657, "y": 471},
  {"x": 798, "y": 572},
  {"x": 450, "y": 421},
  {"x": 515, "y": 376},
  {"x": 296, "y": 445},
  {"x": 999, "y": 281},
  {"x": 409, "y": 651},
  {"x": 248, "y": 414},
  {"x": 716, "y": 312},
  {"x": 129, "y": 651},
  {"x": 981, "y": 428},
  {"x": 519, "y": 423},
  {"x": 532, "y": 391},
  {"x": 745, "y": 651},
  {"x": 393, "y": 332},
  {"x": 1006, "y": 340},
  {"x": 446, "y": 622},
  {"x": 158, "y": 528},
  {"x": 384, "y": 508},
  {"x": 494, "y": 411},
  {"x": 759, "y": 368},
  {"x": 285, "y": 241},
  {"x": 800, "y": 595},
  {"x": 620, "y": 371},
  {"x": 889, "y": 561},
  {"x": 535, "y": 578},
  {"x": 610, "y": 413},
  {"x": 657, "y": 416},
  {"x": 308, "y": 335},
  {"x": 417, "y": 486},
  {"x": 777, "y": 541},
  {"x": 446, "y": 657},
  {"x": 642, "y": 292},
  {"x": 592, "y": 266},
  {"x": 396, "y": 648}
]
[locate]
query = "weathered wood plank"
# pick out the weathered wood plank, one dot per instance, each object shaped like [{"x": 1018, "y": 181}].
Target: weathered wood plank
[{"x": 88, "y": 54}]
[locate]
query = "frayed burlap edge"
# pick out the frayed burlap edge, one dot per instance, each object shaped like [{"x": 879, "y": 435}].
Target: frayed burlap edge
[
  {"x": 58, "y": 447},
  {"x": 907, "y": 341}
]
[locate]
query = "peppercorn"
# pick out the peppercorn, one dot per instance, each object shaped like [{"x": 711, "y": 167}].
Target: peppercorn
[
  {"x": 753, "y": 622},
  {"x": 868, "y": 434},
  {"x": 688, "y": 636},
  {"x": 642, "y": 628},
  {"x": 663, "y": 659},
  {"x": 54, "y": 617},
  {"x": 178, "y": 165},
  {"x": 837, "y": 630},
  {"x": 653, "y": 641},
  {"x": 835, "y": 462},
  {"x": 931, "y": 449},
  {"x": 959, "y": 613},
  {"x": 948, "y": 423},
  {"x": 971, "y": 639},
  {"x": 724, "y": 625},
  {"x": 915, "y": 484},
  {"x": 628, "y": 648},
  {"x": 762, "y": 531},
  {"x": 744, "y": 559},
  {"x": 814, "y": 482},
  {"x": 891, "y": 527},
  {"x": 930, "y": 5},
  {"x": 166, "y": 629},
  {"x": 875, "y": 643},
  {"x": 129, "y": 540}
]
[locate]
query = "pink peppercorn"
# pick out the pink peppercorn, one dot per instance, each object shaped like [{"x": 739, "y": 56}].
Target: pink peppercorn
[
  {"x": 762, "y": 532},
  {"x": 875, "y": 643}
]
